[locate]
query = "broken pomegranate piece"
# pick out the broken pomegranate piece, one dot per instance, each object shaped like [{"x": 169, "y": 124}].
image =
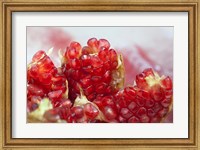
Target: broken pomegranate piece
[
  {"x": 96, "y": 68},
  {"x": 44, "y": 79},
  {"x": 149, "y": 100}
]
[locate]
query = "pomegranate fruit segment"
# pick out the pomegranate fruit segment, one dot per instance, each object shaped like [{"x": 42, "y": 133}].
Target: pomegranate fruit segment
[
  {"x": 95, "y": 68},
  {"x": 45, "y": 80},
  {"x": 94, "y": 77},
  {"x": 149, "y": 100}
]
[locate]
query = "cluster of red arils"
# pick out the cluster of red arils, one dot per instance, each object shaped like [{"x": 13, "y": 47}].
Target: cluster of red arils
[{"x": 88, "y": 87}]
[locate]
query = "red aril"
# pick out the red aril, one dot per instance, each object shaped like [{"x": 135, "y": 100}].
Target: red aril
[{"x": 95, "y": 68}]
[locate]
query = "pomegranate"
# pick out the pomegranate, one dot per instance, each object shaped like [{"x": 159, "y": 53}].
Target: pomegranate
[
  {"x": 44, "y": 79},
  {"x": 95, "y": 68},
  {"x": 149, "y": 100}
]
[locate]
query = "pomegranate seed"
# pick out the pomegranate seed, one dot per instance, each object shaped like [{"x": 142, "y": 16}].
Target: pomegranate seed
[
  {"x": 35, "y": 90},
  {"x": 77, "y": 112},
  {"x": 90, "y": 111},
  {"x": 125, "y": 113},
  {"x": 55, "y": 95},
  {"x": 109, "y": 113},
  {"x": 40, "y": 54},
  {"x": 103, "y": 43},
  {"x": 167, "y": 83},
  {"x": 133, "y": 120}
]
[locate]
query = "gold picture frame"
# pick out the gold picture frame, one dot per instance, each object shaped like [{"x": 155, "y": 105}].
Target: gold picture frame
[{"x": 9, "y": 6}]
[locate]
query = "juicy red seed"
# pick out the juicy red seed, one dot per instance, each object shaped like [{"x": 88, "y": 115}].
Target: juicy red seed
[
  {"x": 168, "y": 94},
  {"x": 149, "y": 103},
  {"x": 91, "y": 96},
  {"x": 88, "y": 69},
  {"x": 55, "y": 95},
  {"x": 58, "y": 79},
  {"x": 77, "y": 74},
  {"x": 114, "y": 65},
  {"x": 76, "y": 46},
  {"x": 132, "y": 106},
  {"x": 107, "y": 65},
  {"x": 141, "y": 112},
  {"x": 108, "y": 90},
  {"x": 140, "y": 101},
  {"x": 45, "y": 78},
  {"x": 96, "y": 79},
  {"x": 166, "y": 102},
  {"x": 109, "y": 113},
  {"x": 143, "y": 94},
  {"x": 90, "y": 110},
  {"x": 144, "y": 119},
  {"x": 87, "y": 50},
  {"x": 140, "y": 80},
  {"x": 93, "y": 43},
  {"x": 100, "y": 87},
  {"x": 121, "y": 103},
  {"x": 133, "y": 120},
  {"x": 107, "y": 76},
  {"x": 77, "y": 112},
  {"x": 157, "y": 107},
  {"x": 33, "y": 71},
  {"x": 148, "y": 72},
  {"x": 56, "y": 87},
  {"x": 45, "y": 65},
  {"x": 66, "y": 103},
  {"x": 35, "y": 90},
  {"x": 99, "y": 103},
  {"x": 40, "y": 54},
  {"x": 108, "y": 100},
  {"x": 167, "y": 82},
  {"x": 155, "y": 120},
  {"x": 113, "y": 55},
  {"x": 75, "y": 63},
  {"x": 89, "y": 90},
  {"x": 86, "y": 82},
  {"x": 72, "y": 53},
  {"x": 103, "y": 43},
  {"x": 150, "y": 112},
  {"x": 55, "y": 71},
  {"x": 121, "y": 119},
  {"x": 125, "y": 113},
  {"x": 130, "y": 92},
  {"x": 64, "y": 113},
  {"x": 96, "y": 62},
  {"x": 98, "y": 71},
  {"x": 157, "y": 92},
  {"x": 86, "y": 60},
  {"x": 103, "y": 55}
]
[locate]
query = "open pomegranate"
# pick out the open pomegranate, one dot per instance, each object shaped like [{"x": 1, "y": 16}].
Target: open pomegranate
[
  {"x": 88, "y": 88},
  {"x": 149, "y": 100},
  {"x": 44, "y": 79},
  {"x": 95, "y": 68}
]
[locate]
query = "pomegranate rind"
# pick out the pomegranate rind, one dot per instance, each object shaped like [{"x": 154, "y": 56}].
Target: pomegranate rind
[
  {"x": 121, "y": 70},
  {"x": 81, "y": 100}
]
